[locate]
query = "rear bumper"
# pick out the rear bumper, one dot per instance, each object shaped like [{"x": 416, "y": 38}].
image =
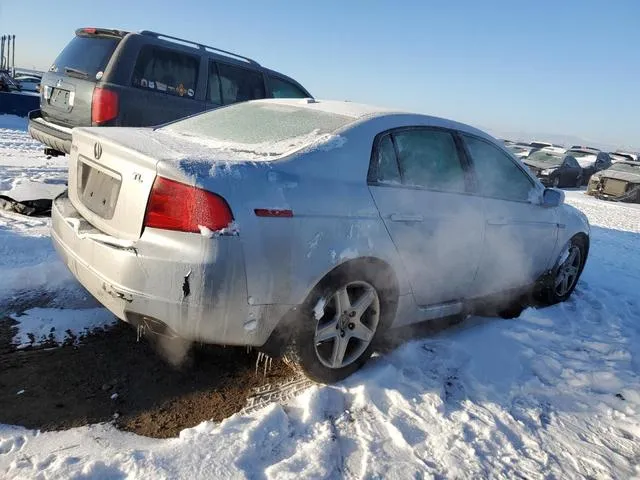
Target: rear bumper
[
  {"x": 192, "y": 284},
  {"x": 53, "y": 136}
]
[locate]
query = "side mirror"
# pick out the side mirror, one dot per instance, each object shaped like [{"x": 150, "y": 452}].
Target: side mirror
[{"x": 552, "y": 197}]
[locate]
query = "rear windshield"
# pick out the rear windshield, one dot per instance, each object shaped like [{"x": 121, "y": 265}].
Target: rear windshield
[
  {"x": 86, "y": 55},
  {"x": 269, "y": 129}
]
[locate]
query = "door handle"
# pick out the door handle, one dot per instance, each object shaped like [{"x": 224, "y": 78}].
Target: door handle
[
  {"x": 400, "y": 217},
  {"x": 500, "y": 221}
]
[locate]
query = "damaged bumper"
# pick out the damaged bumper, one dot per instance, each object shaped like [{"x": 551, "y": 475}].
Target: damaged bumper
[{"x": 192, "y": 285}]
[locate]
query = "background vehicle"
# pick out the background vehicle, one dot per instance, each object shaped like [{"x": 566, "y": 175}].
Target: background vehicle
[
  {"x": 555, "y": 169},
  {"x": 424, "y": 218},
  {"x": 114, "y": 78},
  {"x": 29, "y": 83},
  {"x": 521, "y": 150},
  {"x": 619, "y": 182},
  {"x": 591, "y": 161},
  {"x": 619, "y": 156}
]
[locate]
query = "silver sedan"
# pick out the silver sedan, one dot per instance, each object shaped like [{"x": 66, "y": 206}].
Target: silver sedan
[{"x": 309, "y": 227}]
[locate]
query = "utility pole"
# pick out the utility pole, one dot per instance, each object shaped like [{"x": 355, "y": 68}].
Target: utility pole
[
  {"x": 13, "y": 58},
  {"x": 6, "y": 64}
]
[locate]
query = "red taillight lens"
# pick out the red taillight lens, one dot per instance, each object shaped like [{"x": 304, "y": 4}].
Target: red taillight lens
[
  {"x": 176, "y": 206},
  {"x": 104, "y": 105}
]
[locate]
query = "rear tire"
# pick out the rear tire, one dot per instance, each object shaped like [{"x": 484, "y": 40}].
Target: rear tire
[{"x": 342, "y": 320}]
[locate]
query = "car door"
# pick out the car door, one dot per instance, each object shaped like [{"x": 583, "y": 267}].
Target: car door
[
  {"x": 420, "y": 184},
  {"x": 520, "y": 234},
  {"x": 574, "y": 172}
]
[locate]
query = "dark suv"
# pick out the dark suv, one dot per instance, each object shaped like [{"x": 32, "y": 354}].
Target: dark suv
[{"x": 114, "y": 78}]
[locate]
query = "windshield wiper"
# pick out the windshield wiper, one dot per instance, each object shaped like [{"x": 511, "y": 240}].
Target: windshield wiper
[{"x": 75, "y": 72}]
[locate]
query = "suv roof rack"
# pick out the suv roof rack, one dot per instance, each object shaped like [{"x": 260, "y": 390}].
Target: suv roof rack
[{"x": 198, "y": 45}]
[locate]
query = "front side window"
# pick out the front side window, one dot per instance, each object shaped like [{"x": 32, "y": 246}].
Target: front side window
[
  {"x": 279, "y": 88},
  {"x": 429, "y": 158},
  {"x": 166, "y": 71},
  {"x": 498, "y": 175},
  {"x": 571, "y": 162},
  {"x": 239, "y": 84}
]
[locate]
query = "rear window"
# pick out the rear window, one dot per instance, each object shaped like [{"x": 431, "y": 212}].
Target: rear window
[
  {"x": 166, "y": 71},
  {"x": 269, "y": 129},
  {"x": 280, "y": 88},
  {"x": 86, "y": 55}
]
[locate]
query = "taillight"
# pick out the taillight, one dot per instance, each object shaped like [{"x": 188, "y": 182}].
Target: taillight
[
  {"x": 177, "y": 206},
  {"x": 104, "y": 105}
]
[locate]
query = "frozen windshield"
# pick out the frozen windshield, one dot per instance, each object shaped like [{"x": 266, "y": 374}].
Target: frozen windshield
[
  {"x": 545, "y": 157},
  {"x": 267, "y": 128}
]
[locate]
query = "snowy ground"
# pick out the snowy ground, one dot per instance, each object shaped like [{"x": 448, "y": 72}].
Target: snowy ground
[{"x": 555, "y": 393}]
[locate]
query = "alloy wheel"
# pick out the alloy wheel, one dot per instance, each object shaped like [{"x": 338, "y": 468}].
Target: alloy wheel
[
  {"x": 346, "y": 326},
  {"x": 568, "y": 271}
]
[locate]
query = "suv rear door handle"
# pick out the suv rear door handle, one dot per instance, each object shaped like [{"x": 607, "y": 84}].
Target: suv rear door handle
[{"x": 401, "y": 217}]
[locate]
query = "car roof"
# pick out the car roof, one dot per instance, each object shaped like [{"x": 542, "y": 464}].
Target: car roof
[{"x": 361, "y": 111}]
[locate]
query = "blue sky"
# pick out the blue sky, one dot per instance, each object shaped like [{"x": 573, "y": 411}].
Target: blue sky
[{"x": 565, "y": 67}]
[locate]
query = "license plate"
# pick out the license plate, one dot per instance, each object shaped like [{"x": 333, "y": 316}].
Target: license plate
[
  {"x": 98, "y": 190},
  {"x": 62, "y": 98}
]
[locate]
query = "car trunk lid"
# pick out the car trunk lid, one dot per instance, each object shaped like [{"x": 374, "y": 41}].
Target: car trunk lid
[
  {"x": 110, "y": 181},
  {"x": 112, "y": 171}
]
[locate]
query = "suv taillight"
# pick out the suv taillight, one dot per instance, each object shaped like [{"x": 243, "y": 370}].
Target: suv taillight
[
  {"x": 177, "y": 206},
  {"x": 104, "y": 105}
]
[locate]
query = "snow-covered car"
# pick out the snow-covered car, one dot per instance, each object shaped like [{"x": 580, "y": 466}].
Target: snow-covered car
[
  {"x": 29, "y": 83},
  {"x": 555, "y": 169},
  {"x": 591, "y": 161},
  {"x": 520, "y": 150},
  {"x": 623, "y": 157},
  {"x": 619, "y": 182},
  {"x": 309, "y": 227}
]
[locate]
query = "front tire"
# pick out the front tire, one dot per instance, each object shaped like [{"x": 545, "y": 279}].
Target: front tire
[
  {"x": 566, "y": 273},
  {"x": 342, "y": 320}
]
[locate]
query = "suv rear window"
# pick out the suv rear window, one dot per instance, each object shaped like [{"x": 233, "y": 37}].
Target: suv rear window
[
  {"x": 166, "y": 71},
  {"x": 280, "y": 88},
  {"x": 86, "y": 54}
]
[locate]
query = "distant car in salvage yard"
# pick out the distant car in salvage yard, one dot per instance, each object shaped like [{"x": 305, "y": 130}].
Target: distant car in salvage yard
[
  {"x": 591, "y": 160},
  {"x": 620, "y": 182},
  {"x": 309, "y": 227},
  {"x": 555, "y": 169},
  {"x": 107, "y": 77}
]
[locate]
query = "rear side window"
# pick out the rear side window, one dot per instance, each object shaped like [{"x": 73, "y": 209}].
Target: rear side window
[
  {"x": 166, "y": 71},
  {"x": 214, "y": 94},
  {"x": 429, "y": 158},
  {"x": 386, "y": 168},
  {"x": 239, "y": 84},
  {"x": 86, "y": 55},
  {"x": 279, "y": 88},
  {"x": 498, "y": 175}
]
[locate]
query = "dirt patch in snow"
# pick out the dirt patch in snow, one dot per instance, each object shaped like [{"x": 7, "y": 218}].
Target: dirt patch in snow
[{"x": 110, "y": 375}]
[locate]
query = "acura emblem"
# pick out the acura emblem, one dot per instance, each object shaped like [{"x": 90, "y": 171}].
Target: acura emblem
[{"x": 97, "y": 150}]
